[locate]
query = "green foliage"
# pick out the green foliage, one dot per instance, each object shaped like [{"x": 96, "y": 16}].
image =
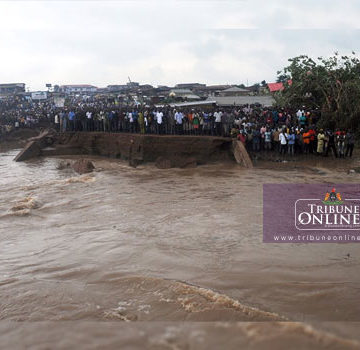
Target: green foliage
[
  {"x": 282, "y": 77},
  {"x": 329, "y": 84}
]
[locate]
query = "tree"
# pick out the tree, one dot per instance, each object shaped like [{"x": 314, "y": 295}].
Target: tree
[
  {"x": 282, "y": 77},
  {"x": 330, "y": 84}
]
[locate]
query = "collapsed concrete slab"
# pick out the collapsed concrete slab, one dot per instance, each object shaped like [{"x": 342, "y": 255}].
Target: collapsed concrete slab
[
  {"x": 36, "y": 144},
  {"x": 179, "y": 150},
  {"x": 241, "y": 155},
  {"x": 31, "y": 150}
]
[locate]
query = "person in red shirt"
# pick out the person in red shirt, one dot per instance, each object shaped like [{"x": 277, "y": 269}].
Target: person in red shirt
[
  {"x": 306, "y": 140},
  {"x": 312, "y": 135},
  {"x": 241, "y": 137}
]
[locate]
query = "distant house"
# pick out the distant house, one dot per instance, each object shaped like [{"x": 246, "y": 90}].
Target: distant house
[
  {"x": 132, "y": 84},
  {"x": 207, "y": 103},
  {"x": 117, "y": 88},
  {"x": 146, "y": 87},
  {"x": 213, "y": 90},
  {"x": 12, "y": 88},
  {"x": 234, "y": 91},
  {"x": 185, "y": 94},
  {"x": 102, "y": 90},
  {"x": 274, "y": 87},
  {"x": 190, "y": 86},
  {"x": 78, "y": 89}
]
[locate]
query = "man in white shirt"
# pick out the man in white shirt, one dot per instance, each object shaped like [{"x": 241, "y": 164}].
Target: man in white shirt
[
  {"x": 283, "y": 142},
  {"x": 299, "y": 113},
  {"x": 131, "y": 121},
  {"x": 89, "y": 125},
  {"x": 217, "y": 116},
  {"x": 159, "y": 118},
  {"x": 179, "y": 120}
]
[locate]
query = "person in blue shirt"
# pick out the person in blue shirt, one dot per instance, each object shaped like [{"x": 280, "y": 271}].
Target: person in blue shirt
[
  {"x": 110, "y": 121},
  {"x": 303, "y": 120},
  {"x": 256, "y": 140},
  {"x": 71, "y": 116},
  {"x": 275, "y": 116},
  {"x": 291, "y": 142}
]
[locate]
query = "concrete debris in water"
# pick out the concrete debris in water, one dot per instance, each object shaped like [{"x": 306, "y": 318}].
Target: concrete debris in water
[
  {"x": 83, "y": 166},
  {"x": 63, "y": 165}
]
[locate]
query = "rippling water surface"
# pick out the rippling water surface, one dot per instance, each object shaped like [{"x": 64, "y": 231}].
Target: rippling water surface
[{"x": 144, "y": 244}]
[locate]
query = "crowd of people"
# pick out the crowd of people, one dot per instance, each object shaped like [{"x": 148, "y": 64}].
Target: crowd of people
[
  {"x": 270, "y": 129},
  {"x": 20, "y": 112}
]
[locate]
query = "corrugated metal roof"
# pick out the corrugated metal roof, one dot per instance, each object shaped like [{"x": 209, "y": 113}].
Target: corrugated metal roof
[
  {"x": 181, "y": 91},
  {"x": 273, "y": 87},
  {"x": 266, "y": 101},
  {"x": 78, "y": 86},
  {"x": 192, "y": 97},
  {"x": 186, "y": 104},
  {"x": 235, "y": 89}
]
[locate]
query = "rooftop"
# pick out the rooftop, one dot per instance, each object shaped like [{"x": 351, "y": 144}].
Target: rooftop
[
  {"x": 273, "y": 87},
  {"x": 79, "y": 86},
  {"x": 266, "y": 101},
  {"x": 235, "y": 89}
]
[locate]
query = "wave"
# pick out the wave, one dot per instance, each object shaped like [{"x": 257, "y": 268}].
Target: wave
[
  {"x": 182, "y": 300},
  {"x": 70, "y": 180},
  {"x": 159, "y": 297},
  {"x": 26, "y": 203}
]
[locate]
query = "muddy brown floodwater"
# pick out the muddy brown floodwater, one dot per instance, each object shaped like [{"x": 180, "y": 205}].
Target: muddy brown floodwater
[{"x": 94, "y": 258}]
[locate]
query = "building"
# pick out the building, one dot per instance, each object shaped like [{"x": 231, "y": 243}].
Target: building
[
  {"x": 227, "y": 101},
  {"x": 13, "y": 88},
  {"x": 190, "y": 86},
  {"x": 163, "y": 90},
  {"x": 193, "y": 104},
  {"x": 274, "y": 87},
  {"x": 185, "y": 94},
  {"x": 78, "y": 89},
  {"x": 117, "y": 88},
  {"x": 234, "y": 91},
  {"x": 102, "y": 90},
  {"x": 132, "y": 84},
  {"x": 213, "y": 90},
  {"x": 146, "y": 89}
]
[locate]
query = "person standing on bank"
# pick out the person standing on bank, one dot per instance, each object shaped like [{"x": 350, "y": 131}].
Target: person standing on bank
[
  {"x": 320, "y": 142},
  {"x": 331, "y": 144},
  {"x": 283, "y": 142},
  {"x": 349, "y": 141},
  {"x": 291, "y": 142}
]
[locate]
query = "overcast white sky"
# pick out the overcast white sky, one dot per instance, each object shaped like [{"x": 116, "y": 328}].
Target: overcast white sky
[{"x": 167, "y": 41}]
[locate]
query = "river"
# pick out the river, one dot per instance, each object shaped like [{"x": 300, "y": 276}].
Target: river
[{"x": 114, "y": 251}]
